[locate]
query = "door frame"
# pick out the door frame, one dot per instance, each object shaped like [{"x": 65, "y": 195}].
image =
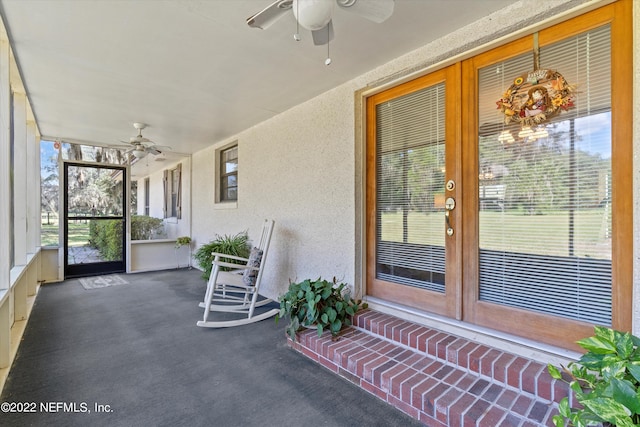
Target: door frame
[{"x": 94, "y": 268}]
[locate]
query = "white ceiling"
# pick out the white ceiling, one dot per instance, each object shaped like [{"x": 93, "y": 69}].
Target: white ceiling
[{"x": 193, "y": 70}]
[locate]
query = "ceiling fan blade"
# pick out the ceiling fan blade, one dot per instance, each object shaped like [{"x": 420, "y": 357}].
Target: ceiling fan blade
[
  {"x": 323, "y": 35},
  {"x": 153, "y": 150},
  {"x": 266, "y": 17},
  {"x": 374, "y": 10}
]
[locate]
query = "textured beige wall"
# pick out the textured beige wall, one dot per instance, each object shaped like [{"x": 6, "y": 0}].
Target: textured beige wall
[{"x": 303, "y": 168}]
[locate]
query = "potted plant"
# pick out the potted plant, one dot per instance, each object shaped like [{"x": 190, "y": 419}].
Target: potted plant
[
  {"x": 180, "y": 242},
  {"x": 237, "y": 244},
  {"x": 318, "y": 304},
  {"x": 605, "y": 381}
]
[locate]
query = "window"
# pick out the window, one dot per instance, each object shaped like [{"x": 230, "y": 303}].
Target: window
[
  {"x": 229, "y": 174},
  {"x": 173, "y": 192},
  {"x": 134, "y": 197},
  {"x": 49, "y": 196},
  {"x": 146, "y": 196}
]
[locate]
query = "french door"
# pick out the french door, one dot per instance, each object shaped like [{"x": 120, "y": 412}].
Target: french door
[
  {"x": 413, "y": 223},
  {"x": 94, "y": 219},
  {"x": 507, "y": 225}
]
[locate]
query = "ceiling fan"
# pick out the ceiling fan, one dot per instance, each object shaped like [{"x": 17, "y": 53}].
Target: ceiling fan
[
  {"x": 141, "y": 146},
  {"x": 316, "y": 15}
]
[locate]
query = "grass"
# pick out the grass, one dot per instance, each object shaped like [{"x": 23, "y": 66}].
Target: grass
[
  {"x": 78, "y": 234},
  {"x": 513, "y": 232}
]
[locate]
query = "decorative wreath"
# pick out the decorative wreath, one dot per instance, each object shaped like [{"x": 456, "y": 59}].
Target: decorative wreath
[{"x": 535, "y": 97}]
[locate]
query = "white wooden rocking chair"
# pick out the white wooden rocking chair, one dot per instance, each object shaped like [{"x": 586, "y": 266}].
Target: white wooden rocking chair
[{"x": 237, "y": 291}]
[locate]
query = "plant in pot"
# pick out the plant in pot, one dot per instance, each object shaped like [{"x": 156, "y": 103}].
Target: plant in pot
[
  {"x": 605, "y": 381},
  {"x": 237, "y": 244},
  {"x": 180, "y": 242},
  {"x": 321, "y": 304}
]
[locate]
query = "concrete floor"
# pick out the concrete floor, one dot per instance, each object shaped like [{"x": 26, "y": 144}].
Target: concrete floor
[{"x": 131, "y": 355}]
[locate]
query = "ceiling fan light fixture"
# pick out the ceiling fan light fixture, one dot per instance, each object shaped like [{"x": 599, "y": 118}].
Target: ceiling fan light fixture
[
  {"x": 138, "y": 154},
  {"x": 313, "y": 14}
]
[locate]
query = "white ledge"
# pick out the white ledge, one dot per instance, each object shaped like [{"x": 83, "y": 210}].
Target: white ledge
[{"x": 143, "y": 242}]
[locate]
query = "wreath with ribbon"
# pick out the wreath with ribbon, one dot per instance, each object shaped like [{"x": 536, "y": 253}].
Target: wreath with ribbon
[{"x": 535, "y": 97}]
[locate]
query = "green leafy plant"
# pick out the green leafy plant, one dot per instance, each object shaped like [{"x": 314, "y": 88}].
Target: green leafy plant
[
  {"x": 318, "y": 303},
  {"x": 106, "y": 237},
  {"x": 237, "y": 244},
  {"x": 182, "y": 241},
  {"x": 605, "y": 381}
]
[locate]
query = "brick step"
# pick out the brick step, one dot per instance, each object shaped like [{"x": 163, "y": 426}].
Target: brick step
[{"x": 435, "y": 377}]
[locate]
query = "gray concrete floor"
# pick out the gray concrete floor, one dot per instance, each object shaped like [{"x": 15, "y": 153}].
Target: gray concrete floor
[{"x": 131, "y": 355}]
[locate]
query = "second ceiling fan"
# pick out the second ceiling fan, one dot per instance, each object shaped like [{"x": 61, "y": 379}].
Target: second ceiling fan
[{"x": 141, "y": 146}]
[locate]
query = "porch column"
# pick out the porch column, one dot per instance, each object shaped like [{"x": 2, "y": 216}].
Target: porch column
[
  {"x": 33, "y": 187},
  {"x": 20, "y": 194},
  {"x": 5, "y": 208}
]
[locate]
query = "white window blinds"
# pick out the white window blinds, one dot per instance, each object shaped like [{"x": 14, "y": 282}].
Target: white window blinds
[
  {"x": 410, "y": 189},
  {"x": 545, "y": 215}
]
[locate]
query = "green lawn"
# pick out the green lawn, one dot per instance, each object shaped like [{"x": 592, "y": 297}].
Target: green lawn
[
  {"x": 512, "y": 232},
  {"x": 78, "y": 234}
]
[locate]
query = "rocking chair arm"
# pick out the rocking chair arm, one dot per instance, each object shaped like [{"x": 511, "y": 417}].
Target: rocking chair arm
[
  {"x": 240, "y": 268},
  {"x": 221, "y": 255}
]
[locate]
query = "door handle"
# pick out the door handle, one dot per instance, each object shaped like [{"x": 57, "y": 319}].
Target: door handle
[{"x": 449, "y": 205}]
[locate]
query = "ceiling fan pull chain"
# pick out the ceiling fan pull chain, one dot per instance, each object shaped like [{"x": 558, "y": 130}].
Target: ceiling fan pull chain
[
  {"x": 296, "y": 36},
  {"x": 328, "y": 60}
]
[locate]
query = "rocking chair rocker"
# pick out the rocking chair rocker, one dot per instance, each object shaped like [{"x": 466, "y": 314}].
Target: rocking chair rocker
[{"x": 237, "y": 291}]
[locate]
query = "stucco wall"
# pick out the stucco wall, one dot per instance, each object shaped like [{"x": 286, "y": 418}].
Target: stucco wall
[{"x": 303, "y": 168}]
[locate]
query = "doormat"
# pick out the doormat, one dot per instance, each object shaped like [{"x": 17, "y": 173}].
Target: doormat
[{"x": 97, "y": 282}]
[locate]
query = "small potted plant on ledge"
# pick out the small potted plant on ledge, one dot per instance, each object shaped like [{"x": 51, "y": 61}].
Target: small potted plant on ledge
[
  {"x": 605, "y": 381},
  {"x": 180, "y": 242},
  {"x": 318, "y": 304}
]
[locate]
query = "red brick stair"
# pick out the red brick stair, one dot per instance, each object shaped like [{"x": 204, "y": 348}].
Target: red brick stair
[{"x": 435, "y": 377}]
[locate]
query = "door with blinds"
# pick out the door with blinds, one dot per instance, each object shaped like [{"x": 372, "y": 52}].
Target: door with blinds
[
  {"x": 549, "y": 217},
  {"x": 519, "y": 226},
  {"x": 412, "y": 132}
]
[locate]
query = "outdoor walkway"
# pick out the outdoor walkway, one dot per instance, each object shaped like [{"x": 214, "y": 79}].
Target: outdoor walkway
[
  {"x": 132, "y": 355},
  {"x": 83, "y": 254}
]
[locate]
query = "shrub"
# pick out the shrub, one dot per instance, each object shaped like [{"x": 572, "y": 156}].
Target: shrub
[
  {"x": 144, "y": 227},
  {"x": 237, "y": 245},
  {"x": 106, "y": 236},
  {"x": 605, "y": 381}
]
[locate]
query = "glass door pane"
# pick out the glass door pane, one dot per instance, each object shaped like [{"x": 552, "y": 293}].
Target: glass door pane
[
  {"x": 545, "y": 191},
  {"x": 95, "y": 219},
  {"x": 411, "y": 140}
]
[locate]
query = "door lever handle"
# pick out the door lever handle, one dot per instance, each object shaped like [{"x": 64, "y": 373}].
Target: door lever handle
[
  {"x": 449, "y": 205},
  {"x": 449, "y": 228}
]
